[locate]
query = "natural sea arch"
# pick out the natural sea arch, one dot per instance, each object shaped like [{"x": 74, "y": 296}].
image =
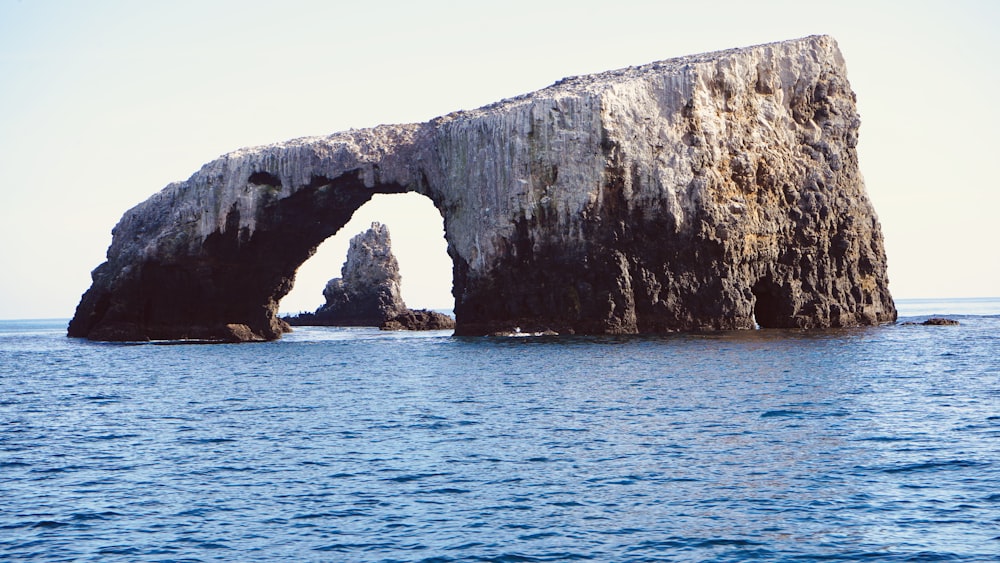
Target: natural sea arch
[
  {"x": 717, "y": 191},
  {"x": 221, "y": 274},
  {"x": 416, "y": 230}
]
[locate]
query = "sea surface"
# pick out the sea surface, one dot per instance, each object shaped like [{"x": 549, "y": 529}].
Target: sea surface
[{"x": 876, "y": 444}]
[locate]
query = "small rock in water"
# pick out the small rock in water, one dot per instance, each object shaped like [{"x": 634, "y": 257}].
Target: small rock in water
[
  {"x": 419, "y": 319},
  {"x": 939, "y": 321},
  {"x": 933, "y": 321}
]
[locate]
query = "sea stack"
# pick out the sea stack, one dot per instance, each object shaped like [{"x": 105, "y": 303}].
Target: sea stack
[
  {"x": 714, "y": 191},
  {"x": 367, "y": 293}
]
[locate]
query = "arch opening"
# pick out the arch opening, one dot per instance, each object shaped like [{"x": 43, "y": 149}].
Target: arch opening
[
  {"x": 767, "y": 304},
  {"x": 416, "y": 230}
]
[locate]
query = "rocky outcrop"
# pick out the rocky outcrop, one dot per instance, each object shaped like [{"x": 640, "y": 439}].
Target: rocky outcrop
[
  {"x": 938, "y": 321},
  {"x": 419, "y": 319},
  {"x": 368, "y": 291},
  {"x": 934, "y": 321},
  {"x": 716, "y": 191}
]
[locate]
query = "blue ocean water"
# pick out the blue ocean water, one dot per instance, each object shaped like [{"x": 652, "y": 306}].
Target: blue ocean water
[{"x": 332, "y": 444}]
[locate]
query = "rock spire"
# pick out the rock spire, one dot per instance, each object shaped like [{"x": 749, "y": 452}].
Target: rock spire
[{"x": 367, "y": 293}]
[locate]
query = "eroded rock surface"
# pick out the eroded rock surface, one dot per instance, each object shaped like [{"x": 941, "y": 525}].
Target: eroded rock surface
[{"x": 715, "y": 191}]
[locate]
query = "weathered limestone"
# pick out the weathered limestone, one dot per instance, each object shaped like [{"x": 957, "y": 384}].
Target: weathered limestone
[{"x": 715, "y": 191}]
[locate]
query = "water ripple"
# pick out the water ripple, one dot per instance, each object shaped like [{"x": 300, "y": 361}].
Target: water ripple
[{"x": 875, "y": 444}]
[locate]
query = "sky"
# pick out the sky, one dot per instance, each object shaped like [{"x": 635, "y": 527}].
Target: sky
[{"x": 103, "y": 103}]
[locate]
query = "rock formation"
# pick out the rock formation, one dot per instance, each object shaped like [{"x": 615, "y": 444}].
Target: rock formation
[
  {"x": 715, "y": 191},
  {"x": 934, "y": 321},
  {"x": 368, "y": 291},
  {"x": 419, "y": 319},
  {"x": 938, "y": 321}
]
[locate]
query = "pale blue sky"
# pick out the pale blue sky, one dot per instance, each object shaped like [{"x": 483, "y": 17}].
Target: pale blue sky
[{"x": 104, "y": 103}]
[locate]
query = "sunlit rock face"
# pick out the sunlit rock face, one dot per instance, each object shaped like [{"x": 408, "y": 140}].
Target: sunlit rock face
[{"x": 715, "y": 191}]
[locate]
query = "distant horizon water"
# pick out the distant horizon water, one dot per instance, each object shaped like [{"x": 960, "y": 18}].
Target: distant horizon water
[{"x": 905, "y": 307}]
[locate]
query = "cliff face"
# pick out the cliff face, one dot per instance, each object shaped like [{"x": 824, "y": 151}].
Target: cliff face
[
  {"x": 706, "y": 192},
  {"x": 716, "y": 191}
]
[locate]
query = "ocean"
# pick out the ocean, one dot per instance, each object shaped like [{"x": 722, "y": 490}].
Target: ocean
[{"x": 350, "y": 444}]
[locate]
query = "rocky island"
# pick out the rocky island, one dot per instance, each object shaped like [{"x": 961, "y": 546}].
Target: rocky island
[
  {"x": 368, "y": 291},
  {"x": 715, "y": 191}
]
